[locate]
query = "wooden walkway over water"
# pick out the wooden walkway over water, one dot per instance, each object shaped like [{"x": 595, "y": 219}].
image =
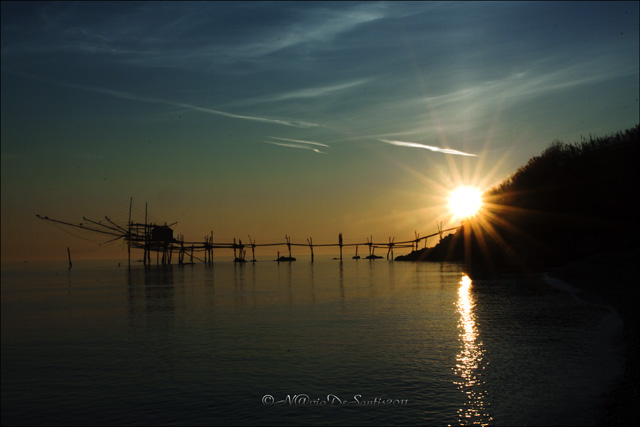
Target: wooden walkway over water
[{"x": 156, "y": 238}]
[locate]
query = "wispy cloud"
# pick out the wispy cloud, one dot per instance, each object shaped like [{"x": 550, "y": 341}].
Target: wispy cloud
[
  {"x": 198, "y": 32},
  {"x": 298, "y": 143},
  {"x": 294, "y": 123},
  {"x": 427, "y": 147},
  {"x": 470, "y": 108},
  {"x": 125, "y": 95},
  {"x": 534, "y": 80},
  {"x": 316, "y": 25},
  {"x": 313, "y": 92},
  {"x": 134, "y": 97}
]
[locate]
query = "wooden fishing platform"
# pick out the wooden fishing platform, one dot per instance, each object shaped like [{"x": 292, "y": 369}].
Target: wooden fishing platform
[{"x": 160, "y": 239}]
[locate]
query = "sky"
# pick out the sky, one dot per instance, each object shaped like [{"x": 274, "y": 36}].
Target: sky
[{"x": 308, "y": 119}]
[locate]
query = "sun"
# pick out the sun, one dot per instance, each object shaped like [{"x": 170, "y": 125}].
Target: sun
[{"x": 464, "y": 202}]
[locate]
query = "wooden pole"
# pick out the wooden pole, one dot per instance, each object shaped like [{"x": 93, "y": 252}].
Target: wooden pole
[
  {"x": 310, "y": 241},
  {"x": 253, "y": 248},
  {"x": 146, "y": 238},
  {"x": 340, "y": 244},
  {"x": 69, "y": 254},
  {"x": 129, "y": 234},
  {"x": 234, "y": 249}
]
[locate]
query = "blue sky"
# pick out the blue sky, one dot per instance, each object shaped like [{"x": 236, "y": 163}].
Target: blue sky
[{"x": 305, "y": 118}]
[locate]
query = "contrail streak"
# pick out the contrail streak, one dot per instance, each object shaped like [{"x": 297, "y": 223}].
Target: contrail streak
[
  {"x": 428, "y": 147},
  {"x": 300, "y": 141},
  {"x": 133, "y": 97},
  {"x": 282, "y": 144}
]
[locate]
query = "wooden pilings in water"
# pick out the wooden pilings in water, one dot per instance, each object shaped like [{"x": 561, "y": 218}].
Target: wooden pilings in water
[
  {"x": 310, "y": 241},
  {"x": 129, "y": 233},
  {"x": 390, "y": 251},
  {"x": 183, "y": 251},
  {"x": 253, "y": 249},
  {"x": 372, "y": 249},
  {"x": 155, "y": 238},
  {"x": 147, "y": 237},
  {"x": 208, "y": 249},
  {"x": 238, "y": 256},
  {"x": 289, "y": 258},
  {"x": 159, "y": 238}
]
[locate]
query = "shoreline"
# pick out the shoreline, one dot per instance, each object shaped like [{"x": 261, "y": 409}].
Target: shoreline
[{"x": 612, "y": 279}]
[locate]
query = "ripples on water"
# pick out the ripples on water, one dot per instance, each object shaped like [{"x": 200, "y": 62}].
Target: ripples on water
[{"x": 237, "y": 344}]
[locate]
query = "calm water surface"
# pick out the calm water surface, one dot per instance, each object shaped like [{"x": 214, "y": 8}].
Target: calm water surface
[{"x": 357, "y": 342}]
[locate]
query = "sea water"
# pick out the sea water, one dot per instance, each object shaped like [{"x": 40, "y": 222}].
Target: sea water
[{"x": 324, "y": 342}]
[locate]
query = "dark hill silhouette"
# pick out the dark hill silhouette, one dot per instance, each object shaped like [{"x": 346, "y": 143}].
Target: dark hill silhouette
[
  {"x": 571, "y": 211},
  {"x": 571, "y": 201}
]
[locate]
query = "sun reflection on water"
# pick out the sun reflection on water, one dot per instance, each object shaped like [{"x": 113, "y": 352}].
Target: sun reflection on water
[{"x": 469, "y": 361}]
